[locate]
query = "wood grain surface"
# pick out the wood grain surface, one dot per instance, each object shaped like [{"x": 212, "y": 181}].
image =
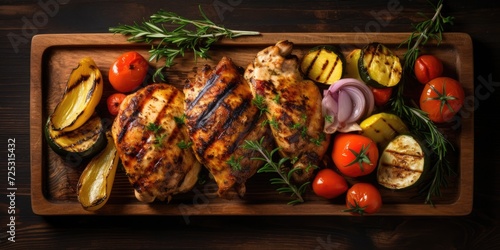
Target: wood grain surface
[
  {"x": 54, "y": 178},
  {"x": 21, "y": 20}
]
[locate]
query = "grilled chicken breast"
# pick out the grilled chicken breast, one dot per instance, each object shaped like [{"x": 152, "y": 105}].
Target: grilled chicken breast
[
  {"x": 293, "y": 105},
  {"x": 153, "y": 143},
  {"x": 220, "y": 116}
]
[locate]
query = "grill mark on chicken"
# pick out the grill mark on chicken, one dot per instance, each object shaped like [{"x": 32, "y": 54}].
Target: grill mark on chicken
[
  {"x": 235, "y": 114},
  {"x": 156, "y": 169},
  {"x": 214, "y": 105},
  {"x": 232, "y": 118},
  {"x": 210, "y": 82},
  {"x": 220, "y": 116},
  {"x": 135, "y": 108}
]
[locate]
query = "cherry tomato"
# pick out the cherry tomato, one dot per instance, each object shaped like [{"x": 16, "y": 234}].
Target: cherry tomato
[
  {"x": 363, "y": 198},
  {"x": 128, "y": 72},
  {"x": 442, "y": 98},
  {"x": 354, "y": 155},
  {"x": 114, "y": 102},
  {"x": 427, "y": 67},
  {"x": 381, "y": 95},
  {"x": 329, "y": 184}
]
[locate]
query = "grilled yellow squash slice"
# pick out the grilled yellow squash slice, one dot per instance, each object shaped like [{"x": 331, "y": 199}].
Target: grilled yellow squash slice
[
  {"x": 323, "y": 64},
  {"x": 96, "y": 180},
  {"x": 352, "y": 70},
  {"x": 379, "y": 67},
  {"x": 383, "y": 128},
  {"x": 81, "y": 96}
]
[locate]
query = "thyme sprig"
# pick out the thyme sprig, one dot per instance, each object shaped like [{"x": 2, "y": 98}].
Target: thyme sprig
[
  {"x": 419, "y": 120},
  {"x": 170, "y": 42},
  {"x": 429, "y": 29},
  {"x": 271, "y": 166}
]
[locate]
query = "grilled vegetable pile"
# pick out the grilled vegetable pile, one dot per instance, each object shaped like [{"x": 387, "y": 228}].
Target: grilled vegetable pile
[
  {"x": 371, "y": 136},
  {"x": 74, "y": 127}
]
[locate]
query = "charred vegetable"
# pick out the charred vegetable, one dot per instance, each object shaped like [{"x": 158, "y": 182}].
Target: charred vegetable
[
  {"x": 82, "y": 95},
  {"x": 323, "y": 64},
  {"x": 85, "y": 141},
  {"x": 379, "y": 67},
  {"x": 96, "y": 181},
  {"x": 402, "y": 163},
  {"x": 383, "y": 128},
  {"x": 352, "y": 70}
]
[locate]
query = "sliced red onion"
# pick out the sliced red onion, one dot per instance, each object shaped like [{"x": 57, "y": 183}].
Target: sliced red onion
[
  {"x": 358, "y": 101},
  {"x": 346, "y": 102}
]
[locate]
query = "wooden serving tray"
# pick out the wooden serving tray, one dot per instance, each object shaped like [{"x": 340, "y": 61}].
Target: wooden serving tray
[{"x": 54, "y": 180}]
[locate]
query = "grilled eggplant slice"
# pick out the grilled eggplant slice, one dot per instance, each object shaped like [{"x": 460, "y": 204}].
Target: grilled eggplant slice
[
  {"x": 96, "y": 181},
  {"x": 81, "y": 96},
  {"x": 379, "y": 67},
  {"x": 85, "y": 141},
  {"x": 323, "y": 64},
  {"x": 402, "y": 163}
]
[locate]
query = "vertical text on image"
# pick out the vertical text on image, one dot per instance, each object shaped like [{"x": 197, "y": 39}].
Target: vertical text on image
[{"x": 11, "y": 188}]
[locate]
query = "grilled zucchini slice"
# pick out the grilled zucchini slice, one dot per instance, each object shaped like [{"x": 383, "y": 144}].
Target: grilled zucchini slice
[
  {"x": 81, "y": 96},
  {"x": 402, "y": 163},
  {"x": 86, "y": 141},
  {"x": 352, "y": 70},
  {"x": 383, "y": 128},
  {"x": 96, "y": 181},
  {"x": 323, "y": 64},
  {"x": 379, "y": 67}
]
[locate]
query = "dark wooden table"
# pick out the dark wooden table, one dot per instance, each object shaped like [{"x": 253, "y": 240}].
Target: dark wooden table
[{"x": 20, "y": 20}]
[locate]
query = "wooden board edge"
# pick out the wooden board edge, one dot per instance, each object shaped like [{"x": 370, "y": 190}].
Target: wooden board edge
[
  {"x": 38, "y": 200},
  {"x": 261, "y": 39},
  {"x": 465, "y": 201},
  {"x": 42, "y": 206}
]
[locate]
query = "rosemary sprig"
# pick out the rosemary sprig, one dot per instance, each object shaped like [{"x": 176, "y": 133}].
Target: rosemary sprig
[
  {"x": 437, "y": 143},
  {"x": 425, "y": 30},
  {"x": 277, "y": 167},
  {"x": 186, "y": 35},
  {"x": 419, "y": 120}
]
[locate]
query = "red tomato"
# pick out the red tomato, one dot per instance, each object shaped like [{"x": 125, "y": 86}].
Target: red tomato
[
  {"x": 329, "y": 184},
  {"x": 363, "y": 198},
  {"x": 354, "y": 155},
  {"x": 442, "y": 98},
  {"x": 128, "y": 72},
  {"x": 114, "y": 102},
  {"x": 381, "y": 95},
  {"x": 427, "y": 67}
]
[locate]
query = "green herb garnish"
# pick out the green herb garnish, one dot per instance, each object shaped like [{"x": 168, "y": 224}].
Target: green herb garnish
[
  {"x": 184, "y": 145},
  {"x": 260, "y": 103},
  {"x": 321, "y": 138},
  {"x": 425, "y": 30},
  {"x": 153, "y": 127},
  {"x": 235, "y": 163},
  {"x": 418, "y": 120},
  {"x": 278, "y": 167},
  {"x": 170, "y": 42},
  {"x": 180, "y": 120},
  {"x": 159, "y": 140}
]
